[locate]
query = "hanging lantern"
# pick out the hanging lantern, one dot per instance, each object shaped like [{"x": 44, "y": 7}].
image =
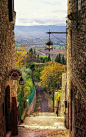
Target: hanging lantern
[
  {"x": 49, "y": 45},
  {"x": 21, "y": 81}
]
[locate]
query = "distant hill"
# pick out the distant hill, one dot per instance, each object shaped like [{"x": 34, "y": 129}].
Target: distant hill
[
  {"x": 37, "y": 31},
  {"x": 32, "y": 34}
]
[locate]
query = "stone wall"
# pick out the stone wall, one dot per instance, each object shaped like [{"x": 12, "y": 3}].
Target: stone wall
[
  {"x": 63, "y": 96},
  {"x": 7, "y": 45},
  {"x": 76, "y": 67},
  {"x": 7, "y": 54},
  {"x": 79, "y": 113},
  {"x": 32, "y": 105}
]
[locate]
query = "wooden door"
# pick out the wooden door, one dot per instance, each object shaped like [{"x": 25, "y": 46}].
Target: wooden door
[
  {"x": 7, "y": 107},
  {"x": 14, "y": 117}
]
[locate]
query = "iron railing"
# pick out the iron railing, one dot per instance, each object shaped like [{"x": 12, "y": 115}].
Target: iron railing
[{"x": 30, "y": 98}]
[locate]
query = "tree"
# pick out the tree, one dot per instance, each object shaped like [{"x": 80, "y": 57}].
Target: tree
[
  {"x": 57, "y": 58},
  {"x": 19, "y": 59},
  {"x": 49, "y": 59},
  {"x": 34, "y": 51},
  {"x": 38, "y": 58},
  {"x": 52, "y": 74},
  {"x": 31, "y": 66},
  {"x": 20, "y": 56},
  {"x": 63, "y": 60},
  {"x": 60, "y": 59},
  {"x": 37, "y": 71},
  {"x": 31, "y": 50}
]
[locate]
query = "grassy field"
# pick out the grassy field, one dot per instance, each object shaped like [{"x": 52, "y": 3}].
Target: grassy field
[
  {"x": 17, "y": 44},
  {"x": 42, "y": 56},
  {"x": 23, "y": 52},
  {"x": 42, "y": 52},
  {"x": 56, "y": 46}
]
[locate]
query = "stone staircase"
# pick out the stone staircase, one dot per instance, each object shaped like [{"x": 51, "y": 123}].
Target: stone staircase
[
  {"x": 43, "y": 120},
  {"x": 8, "y": 134}
]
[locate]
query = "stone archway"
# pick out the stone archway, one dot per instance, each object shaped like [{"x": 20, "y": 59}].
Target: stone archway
[{"x": 7, "y": 107}]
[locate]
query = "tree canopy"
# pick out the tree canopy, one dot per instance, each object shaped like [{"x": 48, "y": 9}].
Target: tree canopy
[
  {"x": 51, "y": 76},
  {"x": 60, "y": 59}
]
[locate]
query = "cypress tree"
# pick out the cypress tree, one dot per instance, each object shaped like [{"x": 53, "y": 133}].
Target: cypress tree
[
  {"x": 63, "y": 61},
  {"x": 34, "y": 51},
  {"x": 57, "y": 58},
  {"x": 31, "y": 50},
  {"x": 49, "y": 59}
]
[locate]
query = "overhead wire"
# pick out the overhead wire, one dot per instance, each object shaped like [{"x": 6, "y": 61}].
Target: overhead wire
[{"x": 58, "y": 39}]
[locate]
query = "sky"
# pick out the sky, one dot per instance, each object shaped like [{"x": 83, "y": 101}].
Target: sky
[{"x": 40, "y": 12}]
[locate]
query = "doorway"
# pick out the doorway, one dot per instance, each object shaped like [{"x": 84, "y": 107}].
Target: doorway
[{"x": 7, "y": 107}]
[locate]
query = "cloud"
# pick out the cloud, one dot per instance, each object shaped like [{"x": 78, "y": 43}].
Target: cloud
[{"x": 33, "y": 12}]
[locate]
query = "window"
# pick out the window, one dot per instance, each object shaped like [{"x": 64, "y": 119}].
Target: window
[
  {"x": 11, "y": 9},
  {"x": 79, "y": 5}
]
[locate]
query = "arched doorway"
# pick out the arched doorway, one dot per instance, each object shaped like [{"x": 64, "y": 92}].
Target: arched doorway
[{"x": 7, "y": 107}]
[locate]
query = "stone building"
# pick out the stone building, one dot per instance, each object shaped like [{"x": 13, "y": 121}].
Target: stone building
[
  {"x": 63, "y": 97},
  {"x": 76, "y": 67},
  {"x": 8, "y": 87}
]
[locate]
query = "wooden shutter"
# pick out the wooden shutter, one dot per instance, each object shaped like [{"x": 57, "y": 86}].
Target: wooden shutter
[{"x": 11, "y": 9}]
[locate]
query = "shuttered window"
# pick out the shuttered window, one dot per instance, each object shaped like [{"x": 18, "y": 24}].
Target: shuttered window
[{"x": 11, "y": 9}]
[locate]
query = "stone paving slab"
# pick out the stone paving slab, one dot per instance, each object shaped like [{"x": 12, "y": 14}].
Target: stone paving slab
[
  {"x": 44, "y": 114},
  {"x": 45, "y": 127},
  {"x": 25, "y": 132},
  {"x": 43, "y": 121}
]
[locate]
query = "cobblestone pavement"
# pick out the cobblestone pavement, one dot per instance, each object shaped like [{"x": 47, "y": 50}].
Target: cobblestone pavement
[{"x": 42, "y": 102}]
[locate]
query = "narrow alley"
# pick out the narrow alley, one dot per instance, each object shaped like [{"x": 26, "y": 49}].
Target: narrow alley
[{"x": 43, "y": 122}]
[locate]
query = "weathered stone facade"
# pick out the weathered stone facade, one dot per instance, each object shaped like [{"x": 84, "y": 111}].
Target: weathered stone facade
[
  {"x": 76, "y": 67},
  {"x": 7, "y": 62},
  {"x": 63, "y": 96}
]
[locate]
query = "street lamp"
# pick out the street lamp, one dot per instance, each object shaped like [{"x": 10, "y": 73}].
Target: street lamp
[
  {"x": 49, "y": 43},
  {"x": 21, "y": 82}
]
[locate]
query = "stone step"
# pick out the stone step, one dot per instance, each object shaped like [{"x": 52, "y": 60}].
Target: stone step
[
  {"x": 44, "y": 114},
  {"x": 44, "y": 121},
  {"x": 48, "y": 118},
  {"x": 8, "y": 134},
  {"x": 59, "y": 119},
  {"x": 45, "y": 127}
]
